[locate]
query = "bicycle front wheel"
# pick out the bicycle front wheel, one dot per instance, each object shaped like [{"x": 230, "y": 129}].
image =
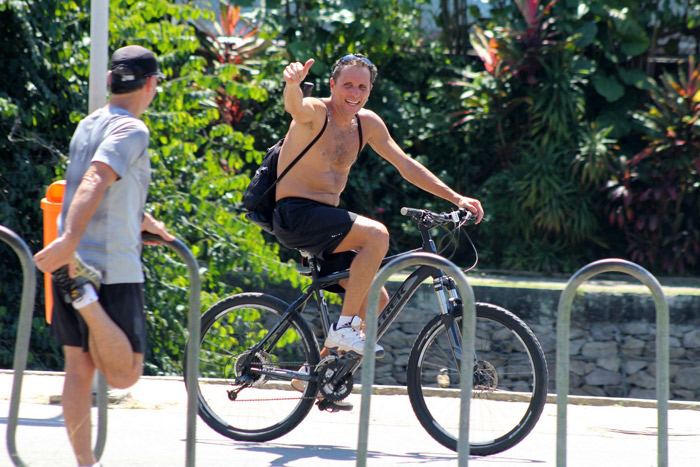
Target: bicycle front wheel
[
  {"x": 509, "y": 382},
  {"x": 246, "y": 396}
]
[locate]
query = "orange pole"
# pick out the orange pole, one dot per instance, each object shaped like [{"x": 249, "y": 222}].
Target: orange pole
[{"x": 51, "y": 205}]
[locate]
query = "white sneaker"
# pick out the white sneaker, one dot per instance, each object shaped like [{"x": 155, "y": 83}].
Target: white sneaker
[{"x": 350, "y": 338}]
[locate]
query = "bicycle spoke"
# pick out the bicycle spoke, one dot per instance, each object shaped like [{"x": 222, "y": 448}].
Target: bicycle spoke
[{"x": 246, "y": 394}]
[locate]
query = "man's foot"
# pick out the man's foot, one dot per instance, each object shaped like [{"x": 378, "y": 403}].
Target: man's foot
[
  {"x": 322, "y": 403},
  {"x": 299, "y": 384},
  {"x": 76, "y": 288},
  {"x": 350, "y": 338},
  {"x": 333, "y": 406}
]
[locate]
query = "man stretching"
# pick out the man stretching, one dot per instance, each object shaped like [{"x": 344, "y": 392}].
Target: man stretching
[{"x": 98, "y": 315}]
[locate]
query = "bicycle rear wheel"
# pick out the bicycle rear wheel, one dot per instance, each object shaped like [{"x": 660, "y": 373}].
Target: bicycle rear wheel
[
  {"x": 235, "y": 399},
  {"x": 509, "y": 385}
]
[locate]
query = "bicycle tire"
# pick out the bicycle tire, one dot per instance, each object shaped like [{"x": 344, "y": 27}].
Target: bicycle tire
[
  {"x": 509, "y": 390},
  {"x": 269, "y": 408}
]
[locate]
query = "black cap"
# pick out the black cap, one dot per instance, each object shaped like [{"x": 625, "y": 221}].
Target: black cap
[{"x": 133, "y": 63}]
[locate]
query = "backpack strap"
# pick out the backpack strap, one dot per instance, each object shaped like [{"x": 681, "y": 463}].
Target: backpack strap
[
  {"x": 359, "y": 130},
  {"x": 306, "y": 149}
]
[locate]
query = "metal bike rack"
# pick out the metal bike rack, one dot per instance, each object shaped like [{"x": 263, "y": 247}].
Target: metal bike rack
[
  {"x": 368, "y": 364},
  {"x": 24, "y": 329},
  {"x": 192, "y": 357},
  {"x": 662, "y": 348}
]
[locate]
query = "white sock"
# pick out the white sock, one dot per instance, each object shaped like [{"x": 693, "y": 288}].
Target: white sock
[
  {"x": 343, "y": 321},
  {"x": 90, "y": 296}
]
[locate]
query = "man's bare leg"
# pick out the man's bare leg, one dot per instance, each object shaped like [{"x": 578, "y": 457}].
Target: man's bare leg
[
  {"x": 371, "y": 241},
  {"x": 77, "y": 402},
  {"x": 383, "y": 300},
  {"x": 111, "y": 350}
]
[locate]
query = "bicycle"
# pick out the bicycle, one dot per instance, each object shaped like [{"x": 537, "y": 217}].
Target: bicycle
[{"x": 253, "y": 344}]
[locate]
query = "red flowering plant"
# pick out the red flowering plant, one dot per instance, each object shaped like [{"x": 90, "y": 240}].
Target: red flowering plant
[
  {"x": 510, "y": 52},
  {"x": 656, "y": 199},
  {"x": 233, "y": 43}
]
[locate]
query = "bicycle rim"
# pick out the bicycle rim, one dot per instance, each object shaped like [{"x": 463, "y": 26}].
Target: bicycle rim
[
  {"x": 267, "y": 407},
  {"x": 509, "y": 383}
]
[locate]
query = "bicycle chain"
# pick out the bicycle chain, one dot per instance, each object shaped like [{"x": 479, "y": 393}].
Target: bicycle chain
[{"x": 279, "y": 365}]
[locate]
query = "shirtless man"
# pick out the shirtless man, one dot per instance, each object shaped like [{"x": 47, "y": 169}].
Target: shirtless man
[{"x": 306, "y": 216}]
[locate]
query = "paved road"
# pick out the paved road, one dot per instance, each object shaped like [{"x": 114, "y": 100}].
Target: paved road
[{"x": 147, "y": 428}]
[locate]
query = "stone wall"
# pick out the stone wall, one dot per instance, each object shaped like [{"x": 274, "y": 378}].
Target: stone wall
[{"x": 612, "y": 337}]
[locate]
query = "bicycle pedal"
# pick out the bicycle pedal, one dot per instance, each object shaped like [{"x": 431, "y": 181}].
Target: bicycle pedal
[
  {"x": 325, "y": 405},
  {"x": 343, "y": 354}
]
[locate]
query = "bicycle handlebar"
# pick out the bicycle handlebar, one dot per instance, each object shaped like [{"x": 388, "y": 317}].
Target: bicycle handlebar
[{"x": 425, "y": 216}]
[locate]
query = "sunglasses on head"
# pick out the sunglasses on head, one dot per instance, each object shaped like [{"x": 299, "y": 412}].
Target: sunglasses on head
[{"x": 364, "y": 60}]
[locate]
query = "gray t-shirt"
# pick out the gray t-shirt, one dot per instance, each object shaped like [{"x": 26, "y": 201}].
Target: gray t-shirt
[{"x": 112, "y": 240}]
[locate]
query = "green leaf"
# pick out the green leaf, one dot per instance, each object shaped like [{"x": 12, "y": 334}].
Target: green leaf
[
  {"x": 585, "y": 35},
  {"x": 634, "y": 77},
  {"x": 635, "y": 45},
  {"x": 608, "y": 87}
]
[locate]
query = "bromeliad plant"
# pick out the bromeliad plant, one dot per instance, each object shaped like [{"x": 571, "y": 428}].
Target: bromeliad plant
[
  {"x": 231, "y": 47},
  {"x": 656, "y": 200}
]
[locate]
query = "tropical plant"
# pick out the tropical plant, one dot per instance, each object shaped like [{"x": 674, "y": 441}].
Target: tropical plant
[
  {"x": 532, "y": 89},
  {"x": 198, "y": 158},
  {"x": 656, "y": 199}
]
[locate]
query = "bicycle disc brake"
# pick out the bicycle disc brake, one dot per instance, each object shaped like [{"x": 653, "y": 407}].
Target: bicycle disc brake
[
  {"x": 244, "y": 375},
  {"x": 485, "y": 376},
  {"x": 334, "y": 388}
]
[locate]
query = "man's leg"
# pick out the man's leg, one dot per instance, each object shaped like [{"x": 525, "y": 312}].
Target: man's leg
[
  {"x": 77, "y": 402},
  {"x": 371, "y": 241},
  {"x": 110, "y": 348}
]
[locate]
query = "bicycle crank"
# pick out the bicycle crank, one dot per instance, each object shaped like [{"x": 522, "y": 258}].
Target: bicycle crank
[{"x": 336, "y": 381}]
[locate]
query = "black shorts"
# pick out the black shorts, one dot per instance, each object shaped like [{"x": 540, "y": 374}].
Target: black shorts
[
  {"x": 313, "y": 227},
  {"x": 122, "y": 302},
  {"x": 317, "y": 229}
]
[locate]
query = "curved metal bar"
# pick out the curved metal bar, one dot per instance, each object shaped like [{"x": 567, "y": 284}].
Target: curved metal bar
[
  {"x": 192, "y": 357},
  {"x": 368, "y": 364},
  {"x": 24, "y": 330},
  {"x": 662, "y": 348},
  {"x": 102, "y": 401}
]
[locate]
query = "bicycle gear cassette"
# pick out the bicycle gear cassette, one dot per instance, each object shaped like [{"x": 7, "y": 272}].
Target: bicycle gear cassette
[
  {"x": 243, "y": 372},
  {"x": 485, "y": 376}
]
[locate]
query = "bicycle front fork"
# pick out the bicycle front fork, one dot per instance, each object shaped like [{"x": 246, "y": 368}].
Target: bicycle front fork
[{"x": 451, "y": 306}]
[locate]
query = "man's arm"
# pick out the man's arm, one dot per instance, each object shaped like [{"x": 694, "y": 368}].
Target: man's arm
[
  {"x": 302, "y": 111},
  {"x": 412, "y": 170},
  {"x": 83, "y": 206}
]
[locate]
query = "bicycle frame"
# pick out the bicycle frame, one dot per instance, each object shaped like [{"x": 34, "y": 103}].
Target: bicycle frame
[{"x": 443, "y": 285}]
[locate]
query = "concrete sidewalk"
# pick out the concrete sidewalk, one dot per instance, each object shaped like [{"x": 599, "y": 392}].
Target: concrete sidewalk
[{"x": 146, "y": 427}]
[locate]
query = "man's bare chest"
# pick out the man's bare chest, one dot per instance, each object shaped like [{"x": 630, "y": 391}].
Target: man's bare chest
[{"x": 341, "y": 146}]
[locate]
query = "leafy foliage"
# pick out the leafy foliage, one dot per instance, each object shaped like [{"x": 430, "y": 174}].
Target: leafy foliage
[
  {"x": 196, "y": 154},
  {"x": 197, "y": 159},
  {"x": 548, "y": 115},
  {"x": 532, "y": 94},
  {"x": 656, "y": 200},
  {"x": 41, "y": 49}
]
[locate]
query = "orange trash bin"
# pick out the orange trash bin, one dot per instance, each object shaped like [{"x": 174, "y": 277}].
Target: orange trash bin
[{"x": 51, "y": 205}]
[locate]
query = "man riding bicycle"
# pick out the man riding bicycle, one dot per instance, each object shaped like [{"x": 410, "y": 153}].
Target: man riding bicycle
[{"x": 306, "y": 216}]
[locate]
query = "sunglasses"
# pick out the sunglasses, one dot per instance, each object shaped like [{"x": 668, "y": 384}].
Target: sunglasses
[{"x": 364, "y": 60}]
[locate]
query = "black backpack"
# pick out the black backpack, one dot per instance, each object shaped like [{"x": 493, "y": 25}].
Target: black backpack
[{"x": 259, "y": 197}]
